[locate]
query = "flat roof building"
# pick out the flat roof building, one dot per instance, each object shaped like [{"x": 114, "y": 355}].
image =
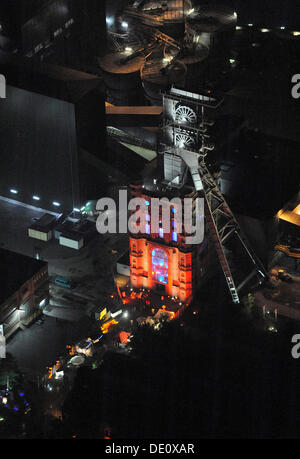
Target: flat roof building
[
  {"x": 24, "y": 289},
  {"x": 67, "y": 32},
  {"x": 38, "y": 151}
]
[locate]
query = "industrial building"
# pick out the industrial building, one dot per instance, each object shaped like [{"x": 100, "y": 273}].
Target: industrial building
[
  {"x": 43, "y": 228},
  {"x": 217, "y": 48},
  {"x": 152, "y": 45},
  {"x": 64, "y": 32},
  {"x": 24, "y": 290},
  {"x": 52, "y": 99},
  {"x": 51, "y": 104},
  {"x": 70, "y": 161},
  {"x": 162, "y": 261},
  {"x": 223, "y": 51},
  {"x": 38, "y": 151},
  {"x": 74, "y": 233}
]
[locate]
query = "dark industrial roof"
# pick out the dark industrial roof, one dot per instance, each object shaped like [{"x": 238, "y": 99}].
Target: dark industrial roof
[
  {"x": 15, "y": 270},
  {"x": 46, "y": 223},
  {"x": 38, "y": 149}
]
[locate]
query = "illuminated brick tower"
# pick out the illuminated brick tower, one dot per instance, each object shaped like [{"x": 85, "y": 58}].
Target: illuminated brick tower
[{"x": 163, "y": 261}]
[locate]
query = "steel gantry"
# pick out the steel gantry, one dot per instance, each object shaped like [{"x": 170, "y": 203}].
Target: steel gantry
[{"x": 185, "y": 112}]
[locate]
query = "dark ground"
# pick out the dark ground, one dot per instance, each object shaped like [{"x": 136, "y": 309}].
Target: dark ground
[{"x": 219, "y": 375}]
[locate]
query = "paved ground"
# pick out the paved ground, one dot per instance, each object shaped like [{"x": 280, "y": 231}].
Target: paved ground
[
  {"x": 91, "y": 268},
  {"x": 41, "y": 345}
]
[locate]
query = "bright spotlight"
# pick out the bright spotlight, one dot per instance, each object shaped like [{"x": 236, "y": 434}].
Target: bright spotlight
[
  {"x": 124, "y": 24},
  {"x": 190, "y": 11}
]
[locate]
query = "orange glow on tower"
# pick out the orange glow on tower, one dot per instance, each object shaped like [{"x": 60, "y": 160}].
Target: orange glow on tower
[
  {"x": 161, "y": 262},
  {"x": 159, "y": 267}
]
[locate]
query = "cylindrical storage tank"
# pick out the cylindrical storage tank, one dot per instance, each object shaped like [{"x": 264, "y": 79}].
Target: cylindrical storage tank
[
  {"x": 166, "y": 15},
  {"x": 156, "y": 80},
  {"x": 174, "y": 18},
  {"x": 122, "y": 77}
]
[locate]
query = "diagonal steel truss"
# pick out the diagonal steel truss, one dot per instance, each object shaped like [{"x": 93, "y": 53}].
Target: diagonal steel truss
[
  {"x": 223, "y": 227},
  {"x": 222, "y": 223}
]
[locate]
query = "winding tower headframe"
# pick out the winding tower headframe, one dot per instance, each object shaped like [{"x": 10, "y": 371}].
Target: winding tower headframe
[{"x": 185, "y": 144}]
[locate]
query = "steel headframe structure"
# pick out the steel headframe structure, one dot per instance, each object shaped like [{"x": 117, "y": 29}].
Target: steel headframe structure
[{"x": 184, "y": 147}]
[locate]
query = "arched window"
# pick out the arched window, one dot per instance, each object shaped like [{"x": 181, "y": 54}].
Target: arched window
[{"x": 160, "y": 266}]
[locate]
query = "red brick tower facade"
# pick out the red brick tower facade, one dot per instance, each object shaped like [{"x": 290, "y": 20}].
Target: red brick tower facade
[{"x": 161, "y": 262}]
